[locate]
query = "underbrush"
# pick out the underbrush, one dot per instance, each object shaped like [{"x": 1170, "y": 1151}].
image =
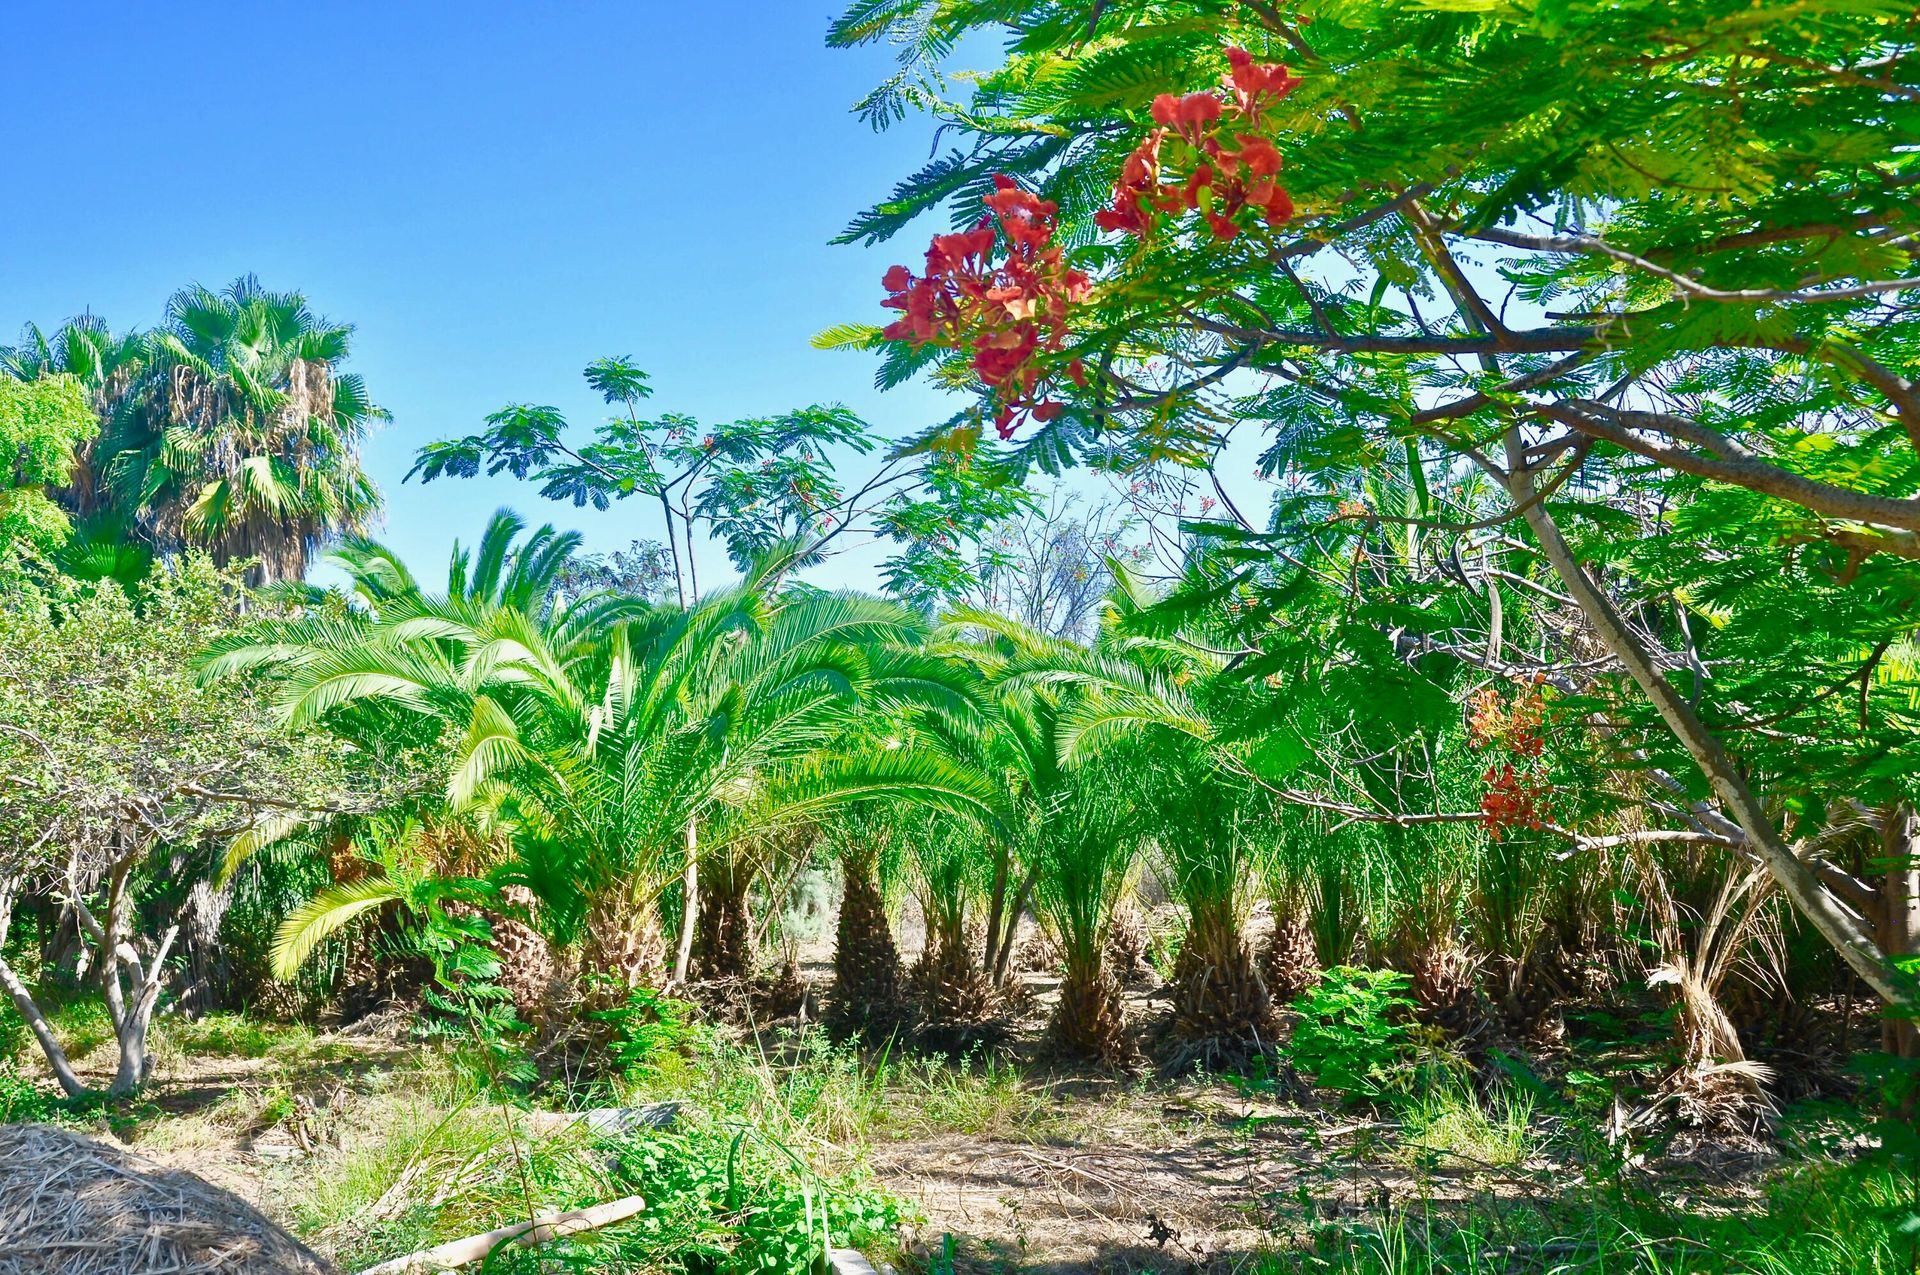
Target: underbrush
[
  {"x": 1820, "y": 1218},
  {"x": 753, "y": 1168},
  {"x": 178, "y": 1040}
]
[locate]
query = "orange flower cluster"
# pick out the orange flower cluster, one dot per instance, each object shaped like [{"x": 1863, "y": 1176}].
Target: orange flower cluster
[
  {"x": 1010, "y": 311},
  {"x": 1216, "y": 139},
  {"x": 1513, "y": 799},
  {"x": 1516, "y": 725}
]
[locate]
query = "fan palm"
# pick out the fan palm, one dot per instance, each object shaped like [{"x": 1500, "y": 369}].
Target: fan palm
[
  {"x": 240, "y": 434},
  {"x": 106, "y": 365}
]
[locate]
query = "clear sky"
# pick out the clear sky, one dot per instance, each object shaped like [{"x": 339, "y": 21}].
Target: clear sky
[{"x": 493, "y": 194}]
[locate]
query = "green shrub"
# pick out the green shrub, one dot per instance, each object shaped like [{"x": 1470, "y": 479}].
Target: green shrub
[
  {"x": 22, "y": 1099},
  {"x": 15, "y": 1039},
  {"x": 729, "y": 1200},
  {"x": 648, "y": 1032},
  {"x": 1349, "y": 1037}
]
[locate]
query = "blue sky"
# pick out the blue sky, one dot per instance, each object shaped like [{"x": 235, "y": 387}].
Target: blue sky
[{"x": 493, "y": 194}]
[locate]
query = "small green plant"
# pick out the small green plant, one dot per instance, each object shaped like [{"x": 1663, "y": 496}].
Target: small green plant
[
  {"x": 21, "y": 1100},
  {"x": 1350, "y": 1038},
  {"x": 646, "y": 1031},
  {"x": 730, "y": 1200}
]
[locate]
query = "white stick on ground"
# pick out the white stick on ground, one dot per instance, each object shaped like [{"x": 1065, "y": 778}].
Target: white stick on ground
[{"x": 546, "y": 1227}]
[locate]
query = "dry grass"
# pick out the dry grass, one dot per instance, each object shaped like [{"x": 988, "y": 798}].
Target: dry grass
[{"x": 71, "y": 1204}]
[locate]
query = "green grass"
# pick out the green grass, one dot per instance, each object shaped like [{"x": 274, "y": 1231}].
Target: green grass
[
  {"x": 759, "y": 1169},
  {"x": 1814, "y": 1219},
  {"x": 1450, "y": 1125},
  {"x": 176, "y": 1042}
]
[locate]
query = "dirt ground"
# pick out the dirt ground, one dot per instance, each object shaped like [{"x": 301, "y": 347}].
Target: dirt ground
[{"x": 1049, "y": 1172}]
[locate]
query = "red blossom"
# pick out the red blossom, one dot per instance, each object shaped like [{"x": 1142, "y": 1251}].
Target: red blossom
[
  {"x": 1010, "y": 312},
  {"x": 1231, "y": 166}
]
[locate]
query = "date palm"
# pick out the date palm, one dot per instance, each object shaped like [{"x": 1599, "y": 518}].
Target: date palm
[
  {"x": 591, "y": 734},
  {"x": 1166, "y": 694},
  {"x": 1086, "y": 859}
]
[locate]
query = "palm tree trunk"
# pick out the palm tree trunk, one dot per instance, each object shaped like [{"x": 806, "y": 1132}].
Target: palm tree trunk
[
  {"x": 1090, "y": 1019},
  {"x": 1221, "y": 1010},
  {"x": 725, "y": 940}
]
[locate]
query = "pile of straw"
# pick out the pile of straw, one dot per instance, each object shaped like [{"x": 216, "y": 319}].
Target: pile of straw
[{"x": 70, "y": 1205}]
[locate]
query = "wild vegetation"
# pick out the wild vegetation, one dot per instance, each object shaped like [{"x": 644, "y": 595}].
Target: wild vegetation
[{"x": 1449, "y": 805}]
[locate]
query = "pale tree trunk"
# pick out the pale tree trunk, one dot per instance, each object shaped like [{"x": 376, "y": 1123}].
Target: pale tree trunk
[
  {"x": 1900, "y": 923},
  {"x": 130, "y": 1002},
  {"x": 1794, "y": 877},
  {"x": 1022, "y": 899},
  {"x": 23, "y": 1001},
  {"x": 690, "y": 901},
  {"x": 207, "y": 977},
  {"x": 996, "y": 912}
]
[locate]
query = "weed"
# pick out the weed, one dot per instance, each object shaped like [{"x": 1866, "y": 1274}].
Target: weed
[
  {"x": 1350, "y": 1038},
  {"x": 1450, "y": 1124}
]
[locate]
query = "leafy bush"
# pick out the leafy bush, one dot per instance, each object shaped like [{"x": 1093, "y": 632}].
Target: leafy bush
[
  {"x": 1350, "y": 1038},
  {"x": 648, "y": 1031},
  {"x": 730, "y": 1200}
]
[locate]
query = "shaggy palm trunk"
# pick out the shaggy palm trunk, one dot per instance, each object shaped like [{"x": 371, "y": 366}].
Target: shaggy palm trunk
[
  {"x": 1526, "y": 997},
  {"x": 956, "y": 992},
  {"x": 624, "y": 950},
  {"x": 866, "y": 963},
  {"x": 1290, "y": 964},
  {"x": 1128, "y": 939},
  {"x": 208, "y": 971},
  {"x": 1445, "y": 993},
  {"x": 526, "y": 960},
  {"x": 1222, "y": 1014},
  {"x": 1090, "y": 1019},
  {"x": 725, "y": 938}
]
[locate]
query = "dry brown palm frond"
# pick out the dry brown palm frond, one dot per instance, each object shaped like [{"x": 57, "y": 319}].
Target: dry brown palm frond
[{"x": 71, "y": 1204}]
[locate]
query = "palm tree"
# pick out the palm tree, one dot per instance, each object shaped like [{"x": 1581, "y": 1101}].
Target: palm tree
[
  {"x": 1086, "y": 860},
  {"x": 106, "y": 365},
  {"x": 595, "y": 734},
  {"x": 1014, "y": 744},
  {"x": 239, "y": 432},
  {"x": 870, "y": 840},
  {"x": 1168, "y": 693}
]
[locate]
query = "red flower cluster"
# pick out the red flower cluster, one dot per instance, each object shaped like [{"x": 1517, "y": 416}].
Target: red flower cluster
[
  {"x": 1216, "y": 140},
  {"x": 1011, "y": 312},
  {"x": 1518, "y": 725},
  {"x": 1513, "y": 800}
]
